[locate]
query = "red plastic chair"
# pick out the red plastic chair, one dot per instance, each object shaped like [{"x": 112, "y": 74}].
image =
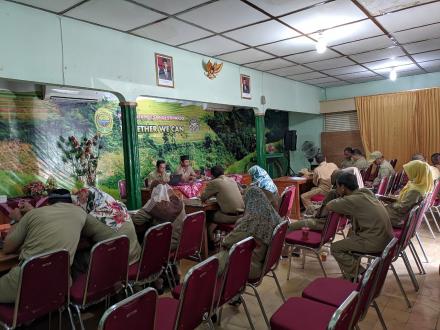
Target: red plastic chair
[
  {"x": 393, "y": 163},
  {"x": 122, "y": 187},
  {"x": 287, "y": 202},
  {"x": 318, "y": 198},
  {"x": 43, "y": 288},
  {"x": 301, "y": 314},
  {"x": 367, "y": 173},
  {"x": 381, "y": 189},
  {"x": 135, "y": 312},
  {"x": 106, "y": 276},
  {"x": 190, "y": 241},
  {"x": 271, "y": 261},
  {"x": 195, "y": 304},
  {"x": 315, "y": 241},
  {"x": 154, "y": 256},
  {"x": 432, "y": 200}
]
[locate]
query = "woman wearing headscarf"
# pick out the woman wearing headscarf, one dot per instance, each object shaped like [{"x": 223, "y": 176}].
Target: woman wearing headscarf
[
  {"x": 419, "y": 184},
  {"x": 163, "y": 206},
  {"x": 261, "y": 179},
  {"x": 259, "y": 221}
]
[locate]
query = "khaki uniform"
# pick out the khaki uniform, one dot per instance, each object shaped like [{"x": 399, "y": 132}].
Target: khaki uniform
[
  {"x": 435, "y": 172},
  {"x": 347, "y": 163},
  {"x": 42, "y": 230},
  {"x": 322, "y": 180},
  {"x": 371, "y": 228},
  {"x": 362, "y": 164},
  {"x": 156, "y": 176},
  {"x": 398, "y": 210},
  {"x": 229, "y": 199},
  {"x": 385, "y": 170},
  {"x": 186, "y": 172}
]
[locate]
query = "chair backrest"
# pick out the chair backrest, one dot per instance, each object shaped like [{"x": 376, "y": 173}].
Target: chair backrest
[
  {"x": 365, "y": 290},
  {"x": 330, "y": 228},
  {"x": 275, "y": 248},
  {"x": 382, "y": 186},
  {"x": 410, "y": 224},
  {"x": 43, "y": 286},
  {"x": 342, "y": 317},
  {"x": 108, "y": 269},
  {"x": 386, "y": 260},
  {"x": 155, "y": 251},
  {"x": 390, "y": 184},
  {"x": 396, "y": 184},
  {"x": 191, "y": 238},
  {"x": 366, "y": 175},
  {"x": 393, "y": 162},
  {"x": 287, "y": 202},
  {"x": 135, "y": 312},
  {"x": 434, "y": 193},
  {"x": 237, "y": 273},
  {"x": 196, "y": 298},
  {"x": 122, "y": 187}
]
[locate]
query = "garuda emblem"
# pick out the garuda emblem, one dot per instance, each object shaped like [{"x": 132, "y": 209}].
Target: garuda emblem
[{"x": 212, "y": 69}]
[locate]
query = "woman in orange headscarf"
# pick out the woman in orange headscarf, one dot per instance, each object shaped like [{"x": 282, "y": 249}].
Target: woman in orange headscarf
[{"x": 419, "y": 184}]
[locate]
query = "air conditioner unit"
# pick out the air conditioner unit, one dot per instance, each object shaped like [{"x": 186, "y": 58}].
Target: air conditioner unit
[
  {"x": 218, "y": 107},
  {"x": 61, "y": 93}
]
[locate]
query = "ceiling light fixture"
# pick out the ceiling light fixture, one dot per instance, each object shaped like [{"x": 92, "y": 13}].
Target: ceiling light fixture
[
  {"x": 321, "y": 44},
  {"x": 393, "y": 74}
]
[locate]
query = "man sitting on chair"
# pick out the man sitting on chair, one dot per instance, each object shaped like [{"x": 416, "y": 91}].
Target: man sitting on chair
[
  {"x": 40, "y": 230},
  {"x": 159, "y": 174},
  {"x": 384, "y": 168},
  {"x": 359, "y": 160},
  {"x": 321, "y": 179},
  {"x": 185, "y": 169}
]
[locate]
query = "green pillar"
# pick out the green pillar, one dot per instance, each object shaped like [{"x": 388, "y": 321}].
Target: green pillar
[
  {"x": 260, "y": 130},
  {"x": 131, "y": 154}
]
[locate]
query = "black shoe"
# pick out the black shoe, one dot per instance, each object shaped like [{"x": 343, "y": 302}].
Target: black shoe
[
  {"x": 235, "y": 302},
  {"x": 214, "y": 318}
]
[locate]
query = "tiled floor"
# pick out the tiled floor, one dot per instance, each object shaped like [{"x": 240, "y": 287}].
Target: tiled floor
[{"x": 424, "y": 315}]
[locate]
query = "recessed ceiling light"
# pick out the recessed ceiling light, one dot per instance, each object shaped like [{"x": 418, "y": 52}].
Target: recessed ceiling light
[{"x": 393, "y": 74}]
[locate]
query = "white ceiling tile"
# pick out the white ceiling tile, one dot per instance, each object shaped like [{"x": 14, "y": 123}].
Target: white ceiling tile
[
  {"x": 171, "y": 6},
  {"x": 291, "y": 70},
  {"x": 388, "y": 63},
  {"x": 410, "y": 73},
  {"x": 344, "y": 70},
  {"x": 280, "y": 7},
  {"x": 356, "y": 75},
  {"x": 223, "y": 15},
  {"x": 262, "y": 33},
  {"x": 55, "y": 6},
  {"x": 172, "y": 31},
  {"x": 213, "y": 46},
  {"x": 351, "y": 32},
  {"x": 291, "y": 46},
  {"x": 379, "y": 7},
  {"x": 312, "y": 56},
  {"x": 428, "y": 56},
  {"x": 117, "y": 14},
  {"x": 421, "y": 33},
  {"x": 269, "y": 64},
  {"x": 431, "y": 66},
  {"x": 331, "y": 63},
  {"x": 245, "y": 56},
  {"x": 321, "y": 80},
  {"x": 362, "y": 80},
  {"x": 307, "y": 76},
  {"x": 423, "y": 46},
  {"x": 333, "y": 84},
  {"x": 325, "y": 16},
  {"x": 376, "y": 55},
  {"x": 365, "y": 45},
  {"x": 412, "y": 17},
  {"x": 399, "y": 69}
]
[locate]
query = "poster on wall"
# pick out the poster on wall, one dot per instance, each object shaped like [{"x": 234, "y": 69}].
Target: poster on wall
[
  {"x": 245, "y": 85},
  {"x": 164, "y": 70}
]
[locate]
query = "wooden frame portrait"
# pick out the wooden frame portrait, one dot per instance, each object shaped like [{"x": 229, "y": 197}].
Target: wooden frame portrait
[
  {"x": 245, "y": 86},
  {"x": 164, "y": 70}
]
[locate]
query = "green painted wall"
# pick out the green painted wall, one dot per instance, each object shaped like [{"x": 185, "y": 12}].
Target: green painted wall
[{"x": 308, "y": 128}]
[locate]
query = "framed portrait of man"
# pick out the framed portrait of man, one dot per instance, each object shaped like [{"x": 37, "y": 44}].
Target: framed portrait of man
[
  {"x": 164, "y": 70},
  {"x": 245, "y": 86}
]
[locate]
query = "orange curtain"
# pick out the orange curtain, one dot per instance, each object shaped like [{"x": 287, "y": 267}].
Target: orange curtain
[{"x": 428, "y": 121}]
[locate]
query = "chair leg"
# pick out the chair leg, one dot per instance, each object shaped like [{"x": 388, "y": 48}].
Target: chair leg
[
  {"x": 400, "y": 286},
  {"x": 72, "y": 323},
  {"x": 278, "y": 285},
  {"x": 320, "y": 263},
  {"x": 247, "y": 313},
  {"x": 261, "y": 305},
  {"x": 379, "y": 315},
  {"x": 60, "y": 318},
  {"x": 290, "y": 263},
  {"x": 50, "y": 320},
  {"x": 410, "y": 271},
  {"x": 210, "y": 324},
  {"x": 417, "y": 258},
  {"x": 434, "y": 219},
  {"x": 429, "y": 226},
  {"x": 78, "y": 312},
  {"x": 422, "y": 247}
]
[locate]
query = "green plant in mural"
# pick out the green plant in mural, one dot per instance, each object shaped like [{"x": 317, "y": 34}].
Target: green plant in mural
[{"x": 82, "y": 155}]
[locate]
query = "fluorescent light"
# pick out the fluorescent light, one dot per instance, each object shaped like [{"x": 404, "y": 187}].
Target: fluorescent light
[
  {"x": 393, "y": 74},
  {"x": 321, "y": 45}
]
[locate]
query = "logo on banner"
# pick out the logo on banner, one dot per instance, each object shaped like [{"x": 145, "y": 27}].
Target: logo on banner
[
  {"x": 194, "y": 125},
  {"x": 104, "y": 121}
]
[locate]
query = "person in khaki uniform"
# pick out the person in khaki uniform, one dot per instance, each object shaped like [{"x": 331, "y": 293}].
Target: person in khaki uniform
[
  {"x": 435, "y": 167},
  {"x": 259, "y": 221},
  {"x": 321, "y": 179},
  {"x": 228, "y": 197},
  {"x": 348, "y": 160},
  {"x": 359, "y": 160},
  {"x": 371, "y": 226},
  {"x": 185, "y": 170},
  {"x": 159, "y": 174},
  {"x": 40, "y": 230},
  {"x": 385, "y": 168},
  {"x": 419, "y": 184}
]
